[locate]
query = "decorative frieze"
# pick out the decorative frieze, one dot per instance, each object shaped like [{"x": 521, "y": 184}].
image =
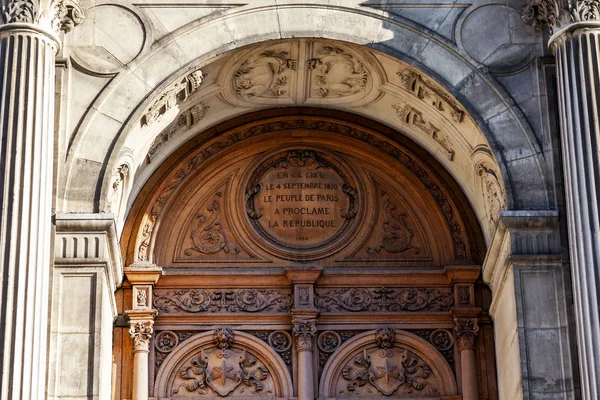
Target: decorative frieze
[
  {"x": 384, "y": 299},
  {"x": 224, "y": 300}
]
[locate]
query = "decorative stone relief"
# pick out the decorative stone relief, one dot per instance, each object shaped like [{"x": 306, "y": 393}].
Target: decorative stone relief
[
  {"x": 186, "y": 120},
  {"x": 228, "y": 300},
  {"x": 166, "y": 341},
  {"x": 304, "y": 331},
  {"x": 384, "y": 299},
  {"x": 264, "y": 75},
  {"x": 464, "y": 295},
  {"x": 207, "y": 237},
  {"x": 554, "y": 14},
  {"x": 495, "y": 196},
  {"x": 396, "y": 236},
  {"x": 171, "y": 97},
  {"x": 115, "y": 197},
  {"x": 441, "y": 339},
  {"x": 281, "y": 342},
  {"x": 412, "y": 116},
  {"x": 426, "y": 91},
  {"x": 337, "y": 73},
  {"x": 466, "y": 332},
  {"x": 387, "y": 370},
  {"x": 329, "y": 341},
  {"x": 142, "y": 296},
  {"x": 223, "y": 370},
  {"x": 141, "y": 333}
]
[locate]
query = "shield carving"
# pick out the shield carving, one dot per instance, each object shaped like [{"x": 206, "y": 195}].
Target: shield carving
[
  {"x": 386, "y": 374},
  {"x": 223, "y": 372}
]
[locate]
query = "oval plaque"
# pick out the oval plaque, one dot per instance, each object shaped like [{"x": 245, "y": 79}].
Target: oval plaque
[{"x": 301, "y": 200}]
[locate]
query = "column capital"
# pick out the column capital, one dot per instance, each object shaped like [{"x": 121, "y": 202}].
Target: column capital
[
  {"x": 49, "y": 17},
  {"x": 556, "y": 15},
  {"x": 466, "y": 332},
  {"x": 141, "y": 328},
  {"x": 304, "y": 331}
]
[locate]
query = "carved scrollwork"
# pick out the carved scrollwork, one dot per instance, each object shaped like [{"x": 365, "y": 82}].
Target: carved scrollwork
[
  {"x": 213, "y": 301},
  {"x": 384, "y": 299},
  {"x": 396, "y": 236},
  {"x": 264, "y": 75},
  {"x": 207, "y": 237},
  {"x": 337, "y": 73}
]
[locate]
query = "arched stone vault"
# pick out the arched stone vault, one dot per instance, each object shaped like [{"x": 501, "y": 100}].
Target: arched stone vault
[{"x": 109, "y": 132}]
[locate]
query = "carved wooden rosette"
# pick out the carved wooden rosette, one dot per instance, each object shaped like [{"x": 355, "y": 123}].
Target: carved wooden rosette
[
  {"x": 466, "y": 330},
  {"x": 304, "y": 331}
]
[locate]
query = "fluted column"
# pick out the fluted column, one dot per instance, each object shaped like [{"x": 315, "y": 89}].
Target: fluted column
[
  {"x": 28, "y": 42},
  {"x": 574, "y": 26}
]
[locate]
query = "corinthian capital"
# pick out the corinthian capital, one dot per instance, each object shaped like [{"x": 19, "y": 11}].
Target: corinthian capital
[
  {"x": 304, "y": 330},
  {"x": 555, "y": 14},
  {"x": 141, "y": 333},
  {"x": 51, "y": 15},
  {"x": 466, "y": 332}
]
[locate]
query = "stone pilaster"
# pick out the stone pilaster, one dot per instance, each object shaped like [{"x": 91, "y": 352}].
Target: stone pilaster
[
  {"x": 530, "y": 300},
  {"x": 466, "y": 330},
  {"x": 87, "y": 271},
  {"x": 575, "y": 29},
  {"x": 142, "y": 277},
  {"x": 28, "y": 43}
]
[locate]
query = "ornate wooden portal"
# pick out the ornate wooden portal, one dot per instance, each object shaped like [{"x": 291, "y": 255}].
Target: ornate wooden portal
[{"x": 307, "y": 254}]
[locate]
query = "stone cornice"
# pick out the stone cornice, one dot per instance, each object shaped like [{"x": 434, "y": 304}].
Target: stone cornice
[{"x": 554, "y": 15}]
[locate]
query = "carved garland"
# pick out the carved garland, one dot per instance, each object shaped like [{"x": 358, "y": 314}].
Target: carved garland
[
  {"x": 384, "y": 299},
  {"x": 214, "y": 301},
  {"x": 223, "y": 143}
]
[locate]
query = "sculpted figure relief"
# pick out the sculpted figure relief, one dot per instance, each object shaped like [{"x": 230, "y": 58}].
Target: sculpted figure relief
[
  {"x": 264, "y": 75},
  {"x": 396, "y": 237},
  {"x": 337, "y": 73}
]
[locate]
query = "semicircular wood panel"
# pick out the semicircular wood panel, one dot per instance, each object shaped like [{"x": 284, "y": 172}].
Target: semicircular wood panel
[{"x": 332, "y": 189}]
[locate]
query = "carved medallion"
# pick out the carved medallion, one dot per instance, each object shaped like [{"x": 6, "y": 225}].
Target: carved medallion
[
  {"x": 302, "y": 202},
  {"x": 329, "y": 341},
  {"x": 337, "y": 73},
  {"x": 264, "y": 75},
  {"x": 166, "y": 341}
]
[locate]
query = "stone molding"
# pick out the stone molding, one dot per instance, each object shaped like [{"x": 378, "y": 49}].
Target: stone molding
[
  {"x": 555, "y": 15},
  {"x": 89, "y": 239},
  {"x": 530, "y": 237}
]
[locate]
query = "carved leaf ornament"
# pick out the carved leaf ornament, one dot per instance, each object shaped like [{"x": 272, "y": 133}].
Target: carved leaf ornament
[
  {"x": 554, "y": 14},
  {"x": 396, "y": 236}
]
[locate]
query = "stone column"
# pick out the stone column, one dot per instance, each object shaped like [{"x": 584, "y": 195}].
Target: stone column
[
  {"x": 29, "y": 40},
  {"x": 466, "y": 335},
  {"x": 141, "y": 321},
  {"x": 574, "y": 26}
]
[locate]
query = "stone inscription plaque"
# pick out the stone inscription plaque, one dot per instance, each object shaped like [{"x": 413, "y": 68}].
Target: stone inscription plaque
[{"x": 301, "y": 199}]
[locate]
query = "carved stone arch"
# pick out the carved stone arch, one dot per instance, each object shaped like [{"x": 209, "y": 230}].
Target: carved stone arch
[
  {"x": 265, "y": 370},
  {"x": 362, "y": 361}
]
